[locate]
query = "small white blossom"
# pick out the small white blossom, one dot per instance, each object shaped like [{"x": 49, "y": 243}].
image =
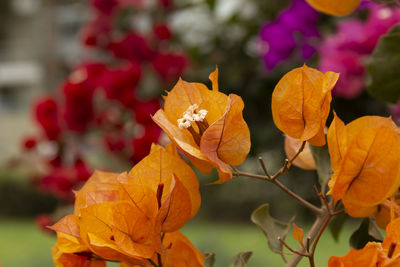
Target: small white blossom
[
  {"x": 184, "y": 124},
  {"x": 190, "y": 116},
  {"x": 200, "y": 115}
]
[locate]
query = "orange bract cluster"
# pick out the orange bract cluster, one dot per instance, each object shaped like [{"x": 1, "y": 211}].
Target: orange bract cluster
[
  {"x": 365, "y": 156},
  {"x": 132, "y": 218},
  {"x": 301, "y": 103},
  {"x": 206, "y": 125},
  {"x": 385, "y": 254}
]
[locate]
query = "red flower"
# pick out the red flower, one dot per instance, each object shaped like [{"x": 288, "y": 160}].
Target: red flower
[
  {"x": 114, "y": 143},
  {"x": 169, "y": 66},
  {"x": 132, "y": 47},
  {"x": 120, "y": 84},
  {"x": 60, "y": 182},
  {"x": 47, "y": 115},
  {"x": 29, "y": 143},
  {"x": 162, "y": 32},
  {"x": 43, "y": 221},
  {"x": 105, "y": 6},
  {"x": 97, "y": 32},
  {"x": 78, "y": 111},
  {"x": 144, "y": 110},
  {"x": 82, "y": 172},
  {"x": 141, "y": 145}
]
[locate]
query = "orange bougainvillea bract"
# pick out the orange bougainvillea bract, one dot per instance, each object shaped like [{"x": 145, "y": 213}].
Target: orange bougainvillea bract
[
  {"x": 305, "y": 159},
  {"x": 206, "y": 125},
  {"x": 385, "y": 254},
  {"x": 301, "y": 103},
  {"x": 336, "y": 7},
  {"x": 364, "y": 159},
  {"x": 125, "y": 217}
]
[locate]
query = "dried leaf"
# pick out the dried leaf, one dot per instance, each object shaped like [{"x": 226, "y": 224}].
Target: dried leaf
[
  {"x": 241, "y": 259},
  {"x": 364, "y": 234},
  {"x": 209, "y": 259},
  {"x": 271, "y": 227}
]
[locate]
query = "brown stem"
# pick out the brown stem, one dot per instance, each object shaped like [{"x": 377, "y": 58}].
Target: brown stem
[
  {"x": 299, "y": 199},
  {"x": 292, "y": 250},
  {"x": 152, "y": 263},
  {"x": 293, "y": 261},
  {"x": 159, "y": 260}
]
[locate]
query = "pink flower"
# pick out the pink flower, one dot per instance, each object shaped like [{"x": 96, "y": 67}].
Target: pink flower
[{"x": 345, "y": 51}]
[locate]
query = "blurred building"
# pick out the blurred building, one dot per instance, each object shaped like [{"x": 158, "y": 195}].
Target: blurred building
[{"x": 38, "y": 42}]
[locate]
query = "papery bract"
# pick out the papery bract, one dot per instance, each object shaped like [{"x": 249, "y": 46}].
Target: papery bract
[
  {"x": 385, "y": 254},
  {"x": 336, "y": 8},
  {"x": 364, "y": 160},
  {"x": 301, "y": 103},
  {"x": 218, "y": 137},
  {"x": 160, "y": 166},
  {"x": 305, "y": 159}
]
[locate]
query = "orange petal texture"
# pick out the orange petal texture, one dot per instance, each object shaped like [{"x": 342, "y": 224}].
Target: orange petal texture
[
  {"x": 385, "y": 254},
  {"x": 175, "y": 210},
  {"x": 366, "y": 257},
  {"x": 387, "y": 211},
  {"x": 226, "y": 139},
  {"x": 364, "y": 159},
  {"x": 301, "y": 103},
  {"x": 336, "y": 8},
  {"x": 305, "y": 159},
  {"x": 124, "y": 217},
  {"x": 101, "y": 187},
  {"x": 160, "y": 166},
  {"x": 181, "y": 252}
]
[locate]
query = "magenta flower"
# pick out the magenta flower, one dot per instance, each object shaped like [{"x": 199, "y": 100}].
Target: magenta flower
[{"x": 293, "y": 30}]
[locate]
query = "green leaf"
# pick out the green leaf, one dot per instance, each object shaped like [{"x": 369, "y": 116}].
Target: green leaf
[
  {"x": 241, "y": 259},
  {"x": 271, "y": 227},
  {"x": 367, "y": 232},
  {"x": 209, "y": 259},
  {"x": 383, "y": 67},
  {"x": 323, "y": 163},
  {"x": 336, "y": 225}
]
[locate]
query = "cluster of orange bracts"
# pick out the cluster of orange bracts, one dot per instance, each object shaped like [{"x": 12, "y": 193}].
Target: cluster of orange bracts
[
  {"x": 134, "y": 217},
  {"x": 365, "y": 154},
  {"x": 385, "y": 254}
]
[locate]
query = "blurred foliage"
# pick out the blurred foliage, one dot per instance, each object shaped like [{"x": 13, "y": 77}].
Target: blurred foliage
[{"x": 19, "y": 199}]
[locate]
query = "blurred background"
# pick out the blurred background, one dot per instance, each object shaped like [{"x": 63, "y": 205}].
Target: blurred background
[{"x": 79, "y": 79}]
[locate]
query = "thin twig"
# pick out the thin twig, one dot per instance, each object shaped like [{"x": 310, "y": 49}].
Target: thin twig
[
  {"x": 260, "y": 159},
  {"x": 292, "y": 250},
  {"x": 159, "y": 260},
  {"x": 308, "y": 243},
  {"x": 152, "y": 262},
  {"x": 301, "y": 200}
]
